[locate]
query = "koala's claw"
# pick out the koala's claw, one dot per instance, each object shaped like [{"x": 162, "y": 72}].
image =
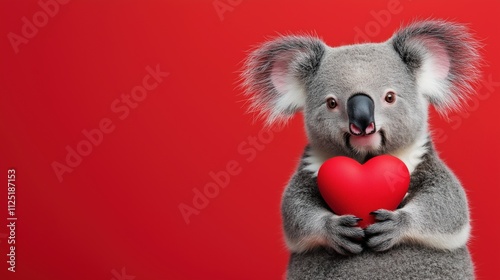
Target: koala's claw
[
  {"x": 382, "y": 215},
  {"x": 386, "y": 232},
  {"x": 348, "y": 220},
  {"x": 344, "y": 237}
]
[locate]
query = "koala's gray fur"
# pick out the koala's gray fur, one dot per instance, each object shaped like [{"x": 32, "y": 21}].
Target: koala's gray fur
[{"x": 430, "y": 62}]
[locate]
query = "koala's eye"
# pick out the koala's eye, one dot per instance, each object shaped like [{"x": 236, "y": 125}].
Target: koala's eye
[
  {"x": 331, "y": 103},
  {"x": 390, "y": 97}
]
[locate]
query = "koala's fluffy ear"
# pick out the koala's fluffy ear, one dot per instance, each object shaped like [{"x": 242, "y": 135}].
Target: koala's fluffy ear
[
  {"x": 444, "y": 58},
  {"x": 275, "y": 74}
]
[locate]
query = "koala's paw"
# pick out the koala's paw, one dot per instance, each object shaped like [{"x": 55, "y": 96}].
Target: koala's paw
[
  {"x": 343, "y": 234},
  {"x": 386, "y": 232}
]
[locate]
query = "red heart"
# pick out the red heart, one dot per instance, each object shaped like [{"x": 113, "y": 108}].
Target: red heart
[{"x": 351, "y": 188}]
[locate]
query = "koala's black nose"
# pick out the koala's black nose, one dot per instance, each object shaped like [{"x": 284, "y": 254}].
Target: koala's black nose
[{"x": 360, "y": 110}]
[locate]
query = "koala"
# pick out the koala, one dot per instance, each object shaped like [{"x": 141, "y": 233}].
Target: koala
[{"x": 361, "y": 101}]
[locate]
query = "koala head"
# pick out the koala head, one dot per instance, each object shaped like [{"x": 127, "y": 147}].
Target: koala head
[{"x": 364, "y": 99}]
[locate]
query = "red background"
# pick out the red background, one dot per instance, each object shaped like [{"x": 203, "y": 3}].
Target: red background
[{"x": 119, "y": 208}]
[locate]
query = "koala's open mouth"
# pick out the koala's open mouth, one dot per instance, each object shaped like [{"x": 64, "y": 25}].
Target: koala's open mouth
[{"x": 365, "y": 143}]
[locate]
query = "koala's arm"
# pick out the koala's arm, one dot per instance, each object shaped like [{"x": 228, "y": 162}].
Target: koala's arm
[
  {"x": 308, "y": 223},
  {"x": 434, "y": 214}
]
